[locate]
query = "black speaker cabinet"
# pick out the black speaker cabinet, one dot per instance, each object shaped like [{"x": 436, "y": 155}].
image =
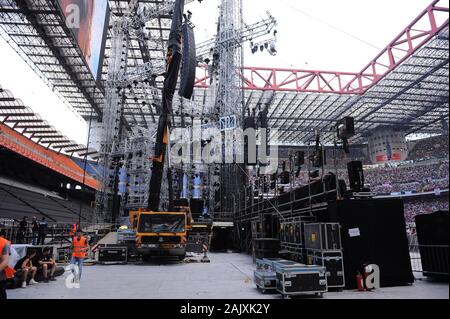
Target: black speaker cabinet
[
  {"x": 197, "y": 206},
  {"x": 249, "y": 123},
  {"x": 285, "y": 178},
  {"x": 373, "y": 231},
  {"x": 356, "y": 175},
  {"x": 433, "y": 235},
  {"x": 188, "y": 68}
]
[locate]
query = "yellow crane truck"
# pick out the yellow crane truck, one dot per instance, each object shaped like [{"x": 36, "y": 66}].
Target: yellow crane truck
[
  {"x": 161, "y": 234},
  {"x": 167, "y": 233}
]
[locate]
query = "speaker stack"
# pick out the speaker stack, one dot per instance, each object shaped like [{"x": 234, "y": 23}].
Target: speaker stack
[{"x": 187, "y": 78}]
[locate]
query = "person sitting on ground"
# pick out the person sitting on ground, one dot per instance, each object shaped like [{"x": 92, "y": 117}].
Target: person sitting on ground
[
  {"x": 25, "y": 268},
  {"x": 46, "y": 264}
]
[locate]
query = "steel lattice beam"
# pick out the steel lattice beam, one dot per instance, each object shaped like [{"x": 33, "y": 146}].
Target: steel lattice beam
[{"x": 398, "y": 51}]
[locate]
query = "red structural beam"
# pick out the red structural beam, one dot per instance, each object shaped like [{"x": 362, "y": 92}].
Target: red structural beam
[{"x": 428, "y": 24}]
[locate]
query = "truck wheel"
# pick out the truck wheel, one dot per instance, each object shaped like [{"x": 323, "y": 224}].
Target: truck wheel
[{"x": 181, "y": 258}]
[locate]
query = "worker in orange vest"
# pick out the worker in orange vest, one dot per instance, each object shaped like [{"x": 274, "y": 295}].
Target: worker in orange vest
[
  {"x": 79, "y": 249},
  {"x": 6, "y": 272}
]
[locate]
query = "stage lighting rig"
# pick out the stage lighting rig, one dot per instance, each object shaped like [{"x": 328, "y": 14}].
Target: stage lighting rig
[{"x": 269, "y": 45}]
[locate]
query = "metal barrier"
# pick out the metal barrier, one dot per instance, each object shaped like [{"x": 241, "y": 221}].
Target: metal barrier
[
  {"x": 55, "y": 234},
  {"x": 428, "y": 260}
]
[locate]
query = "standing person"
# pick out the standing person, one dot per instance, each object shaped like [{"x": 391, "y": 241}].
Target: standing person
[
  {"x": 79, "y": 249},
  {"x": 5, "y": 271},
  {"x": 26, "y": 268},
  {"x": 34, "y": 231},
  {"x": 47, "y": 263},
  {"x": 42, "y": 231},
  {"x": 22, "y": 230}
]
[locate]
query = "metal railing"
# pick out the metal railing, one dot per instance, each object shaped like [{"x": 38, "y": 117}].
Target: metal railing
[{"x": 428, "y": 260}]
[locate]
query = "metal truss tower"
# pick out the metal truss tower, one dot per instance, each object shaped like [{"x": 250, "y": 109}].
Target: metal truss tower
[
  {"x": 230, "y": 58},
  {"x": 229, "y": 99},
  {"x": 105, "y": 197}
]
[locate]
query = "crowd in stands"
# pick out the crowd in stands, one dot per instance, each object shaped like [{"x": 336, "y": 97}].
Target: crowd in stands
[
  {"x": 411, "y": 178},
  {"x": 424, "y": 206},
  {"x": 430, "y": 148}
]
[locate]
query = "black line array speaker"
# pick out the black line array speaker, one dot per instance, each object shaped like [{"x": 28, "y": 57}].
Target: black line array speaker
[
  {"x": 249, "y": 123},
  {"x": 433, "y": 238},
  {"x": 373, "y": 231},
  {"x": 188, "y": 67},
  {"x": 346, "y": 128}
]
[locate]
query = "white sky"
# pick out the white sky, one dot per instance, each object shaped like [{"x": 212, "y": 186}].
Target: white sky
[
  {"x": 17, "y": 77},
  {"x": 316, "y": 34}
]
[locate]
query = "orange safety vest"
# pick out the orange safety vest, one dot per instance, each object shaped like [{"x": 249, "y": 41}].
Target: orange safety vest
[
  {"x": 79, "y": 247},
  {"x": 9, "y": 272}
]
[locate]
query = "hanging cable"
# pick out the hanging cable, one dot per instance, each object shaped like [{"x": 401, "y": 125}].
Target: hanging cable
[
  {"x": 330, "y": 25},
  {"x": 85, "y": 164}
]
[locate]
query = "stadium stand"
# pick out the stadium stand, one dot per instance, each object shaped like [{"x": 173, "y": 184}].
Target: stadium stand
[
  {"x": 17, "y": 203},
  {"x": 92, "y": 169},
  {"x": 411, "y": 178},
  {"x": 60, "y": 163},
  {"x": 429, "y": 148},
  {"x": 420, "y": 206}
]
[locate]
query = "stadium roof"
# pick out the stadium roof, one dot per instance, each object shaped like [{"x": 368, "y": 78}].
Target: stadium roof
[
  {"x": 23, "y": 120},
  {"x": 405, "y": 87}
]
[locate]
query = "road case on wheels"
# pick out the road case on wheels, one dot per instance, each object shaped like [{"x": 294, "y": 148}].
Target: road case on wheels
[
  {"x": 112, "y": 255},
  {"x": 265, "y": 280},
  {"x": 298, "y": 279}
]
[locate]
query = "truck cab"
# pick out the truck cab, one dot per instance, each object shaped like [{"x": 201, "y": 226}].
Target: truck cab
[{"x": 161, "y": 233}]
